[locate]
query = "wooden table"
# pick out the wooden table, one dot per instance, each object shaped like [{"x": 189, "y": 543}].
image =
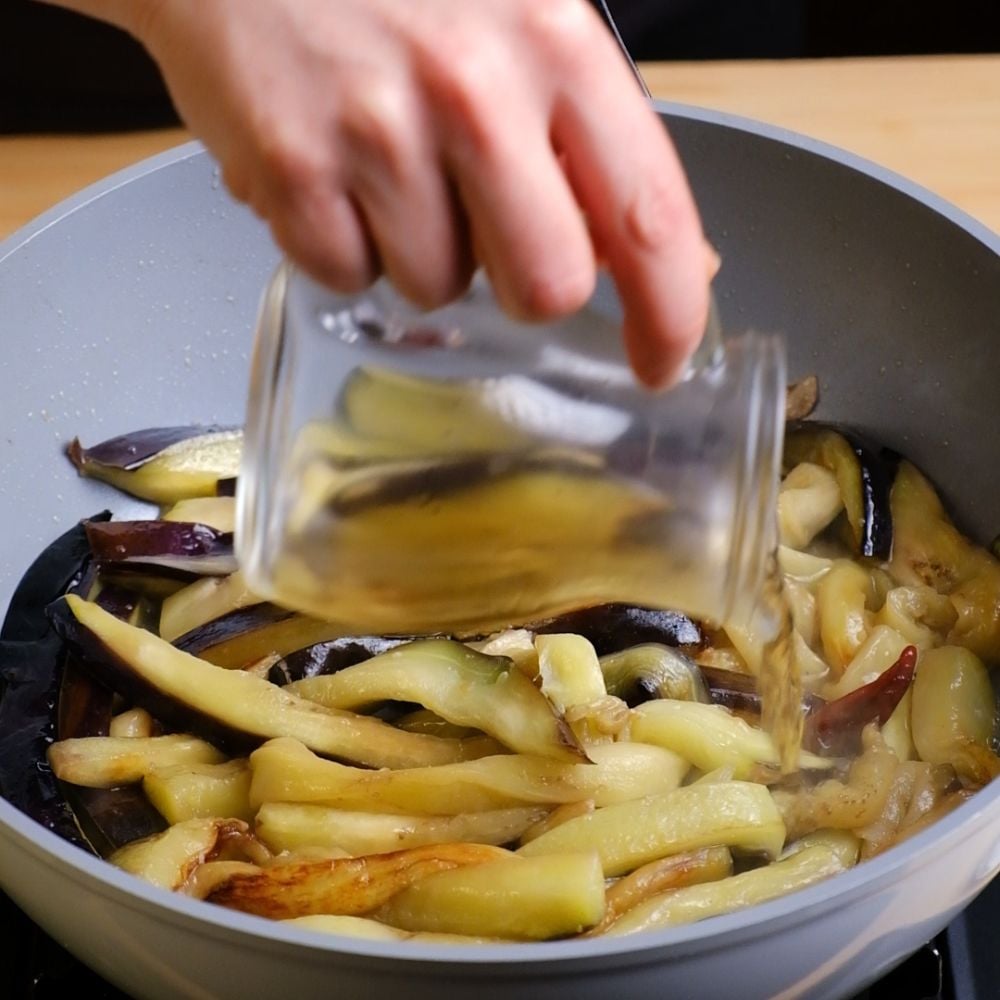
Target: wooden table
[{"x": 934, "y": 119}]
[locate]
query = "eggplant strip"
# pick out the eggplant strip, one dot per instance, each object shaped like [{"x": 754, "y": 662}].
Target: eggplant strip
[
  {"x": 710, "y": 737},
  {"x": 172, "y": 545},
  {"x": 286, "y": 771},
  {"x": 737, "y": 814},
  {"x": 169, "y": 859},
  {"x": 513, "y": 898},
  {"x": 804, "y": 868},
  {"x": 465, "y": 687},
  {"x": 232, "y": 708},
  {"x": 108, "y": 761},
  {"x": 163, "y": 464},
  {"x": 675, "y": 872},
  {"x": 350, "y": 886},
  {"x": 289, "y": 826},
  {"x": 193, "y": 791}
]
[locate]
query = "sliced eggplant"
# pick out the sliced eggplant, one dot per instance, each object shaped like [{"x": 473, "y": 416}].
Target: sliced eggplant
[
  {"x": 459, "y": 684},
  {"x": 163, "y": 464},
  {"x": 31, "y": 659},
  {"x": 246, "y": 636},
  {"x": 171, "y": 545},
  {"x": 613, "y": 627},
  {"x": 204, "y": 601},
  {"x": 217, "y": 512},
  {"x": 333, "y": 655},
  {"x": 864, "y": 471},
  {"x": 652, "y": 670},
  {"x": 930, "y": 550},
  {"x": 231, "y": 708}
]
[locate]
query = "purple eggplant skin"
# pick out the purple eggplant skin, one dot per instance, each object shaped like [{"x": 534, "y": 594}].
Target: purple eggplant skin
[
  {"x": 876, "y": 472},
  {"x": 330, "y": 656},
  {"x": 31, "y": 663},
  {"x": 610, "y": 627},
  {"x": 171, "y": 545},
  {"x": 111, "y": 670},
  {"x": 614, "y": 627},
  {"x": 238, "y": 622},
  {"x": 130, "y": 451},
  {"x": 109, "y": 818}
]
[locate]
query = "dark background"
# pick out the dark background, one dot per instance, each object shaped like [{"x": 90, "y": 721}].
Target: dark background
[{"x": 60, "y": 72}]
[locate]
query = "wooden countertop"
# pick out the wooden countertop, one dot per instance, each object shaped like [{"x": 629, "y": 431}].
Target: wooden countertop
[{"x": 933, "y": 119}]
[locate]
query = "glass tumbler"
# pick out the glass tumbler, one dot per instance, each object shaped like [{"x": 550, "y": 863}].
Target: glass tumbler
[{"x": 457, "y": 472}]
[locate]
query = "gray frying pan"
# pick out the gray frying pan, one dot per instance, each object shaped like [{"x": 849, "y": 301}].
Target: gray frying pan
[{"x": 132, "y": 305}]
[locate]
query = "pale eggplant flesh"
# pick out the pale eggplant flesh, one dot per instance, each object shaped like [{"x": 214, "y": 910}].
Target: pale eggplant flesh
[
  {"x": 163, "y": 464},
  {"x": 864, "y": 471}
]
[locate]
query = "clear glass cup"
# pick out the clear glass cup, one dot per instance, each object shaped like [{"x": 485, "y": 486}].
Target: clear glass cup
[{"x": 458, "y": 472}]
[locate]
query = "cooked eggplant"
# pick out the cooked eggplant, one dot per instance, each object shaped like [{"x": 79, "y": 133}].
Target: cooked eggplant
[
  {"x": 737, "y": 814},
  {"x": 613, "y": 627},
  {"x": 249, "y": 634},
  {"x": 31, "y": 659},
  {"x": 653, "y": 670},
  {"x": 217, "y": 512},
  {"x": 203, "y": 601},
  {"x": 171, "y": 545},
  {"x": 232, "y": 708},
  {"x": 163, "y": 464},
  {"x": 930, "y": 550},
  {"x": 333, "y": 655},
  {"x": 864, "y": 471},
  {"x": 514, "y": 898},
  {"x": 465, "y": 687},
  {"x": 342, "y": 885},
  {"x": 953, "y": 716}
]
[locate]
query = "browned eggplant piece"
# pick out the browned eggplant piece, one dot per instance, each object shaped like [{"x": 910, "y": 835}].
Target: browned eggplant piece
[
  {"x": 247, "y": 634},
  {"x": 801, "y": 398},
  {"x": 163, "y": 464},
  {"x": 835, "y": 729},
  {"x": 864, "y": 472},
  {"x": 31, "y": 660},
  {"x": 930, "y": 550},
  {"x": 175, "y": 546},
  {"x": 233, "y": 709},
  {"x": 614, "y": 627}
]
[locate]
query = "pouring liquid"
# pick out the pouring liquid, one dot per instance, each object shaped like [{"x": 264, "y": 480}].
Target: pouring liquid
[{"x": 421, "y": 510}]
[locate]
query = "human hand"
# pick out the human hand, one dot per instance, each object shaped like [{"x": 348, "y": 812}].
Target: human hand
[{"x": 419, "y": 139}]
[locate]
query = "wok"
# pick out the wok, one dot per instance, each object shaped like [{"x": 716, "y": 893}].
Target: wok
[{"x": 131, "y": 305}]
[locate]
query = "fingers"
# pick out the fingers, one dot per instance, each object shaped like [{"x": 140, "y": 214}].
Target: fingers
[
  {"x": 529, "y": 234},
  {"x": 643, "y": 219},
  {"x": 400, "y": 185}
]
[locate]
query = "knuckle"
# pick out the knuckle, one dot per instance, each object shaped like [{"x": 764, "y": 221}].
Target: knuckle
[
  {"x": 341, "y": 263},
  {"x": 462, "y": 81},
  {"x": 289, "y": 165},
  {"x": 550, "y": 293},
  {"x": 431, "y": 290},
  {"x": 656, "y": 211},
  {"x": 377, "y": 121},
  {"x": 559, "y": 28}
]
